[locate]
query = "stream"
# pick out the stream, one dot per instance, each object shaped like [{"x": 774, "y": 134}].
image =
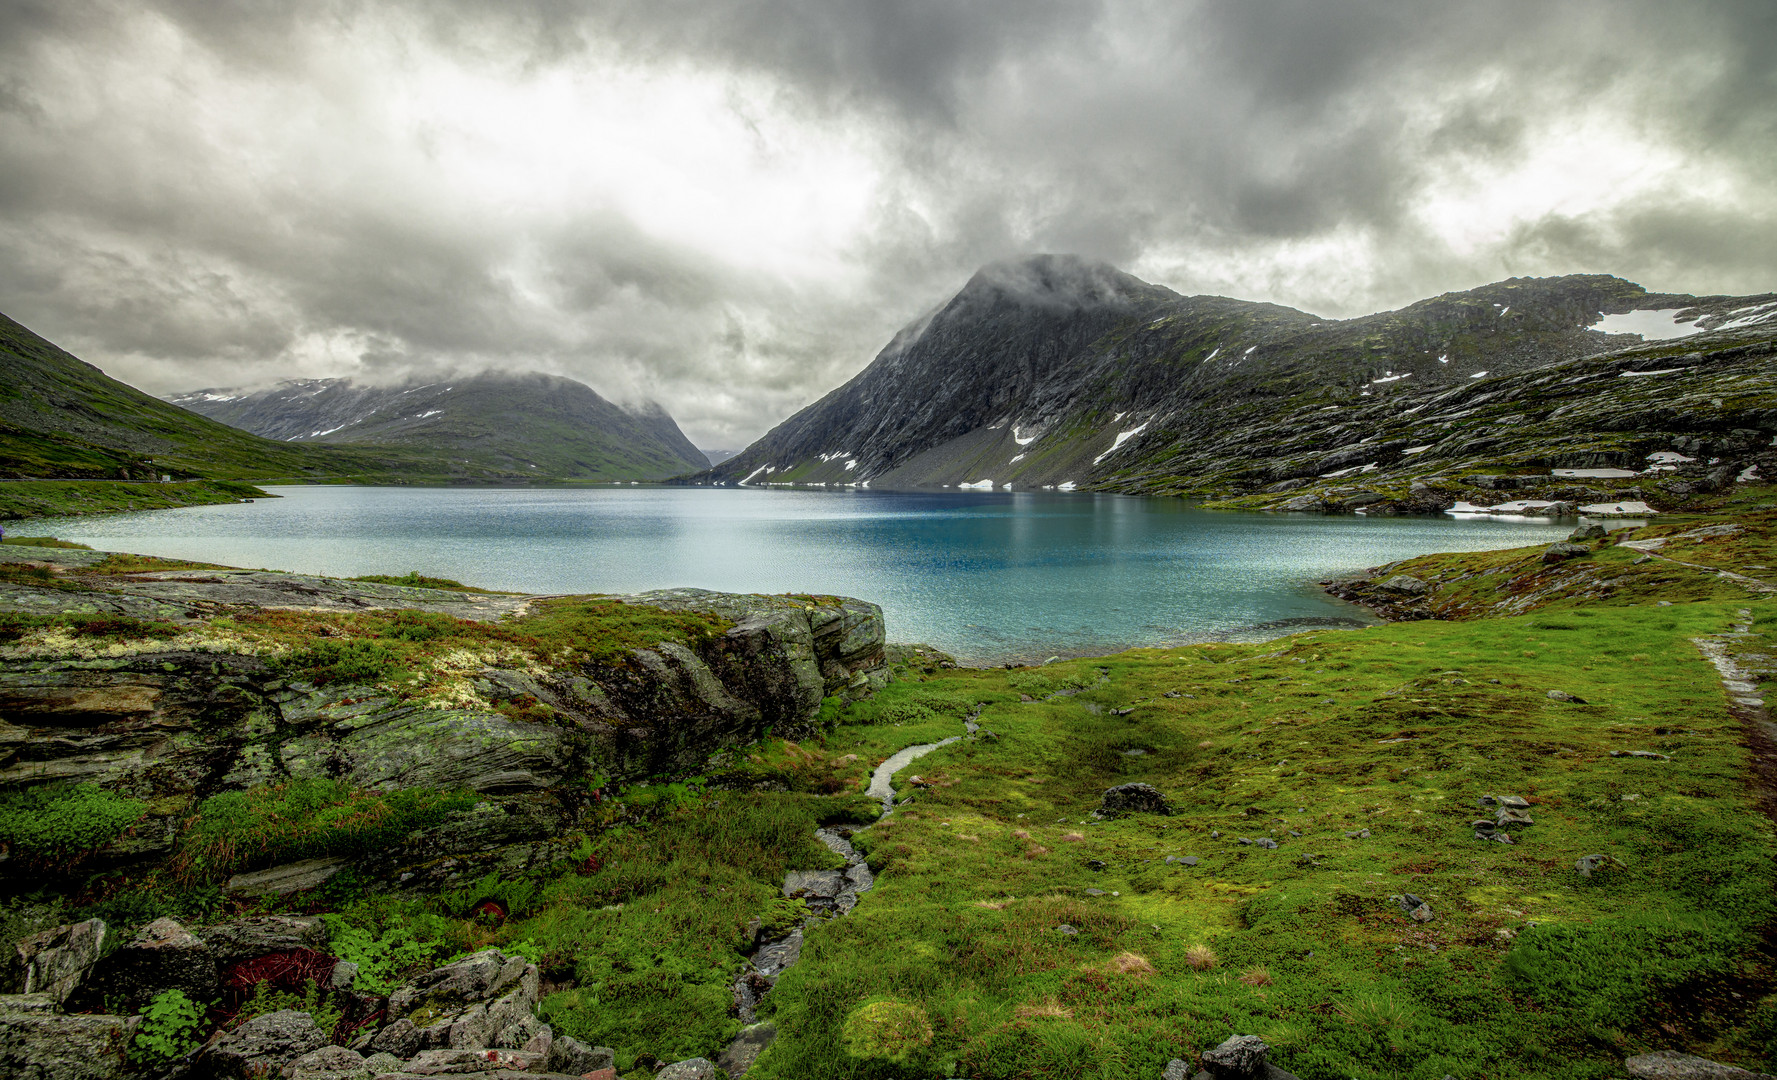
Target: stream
[{"x": 828, "y": 894}]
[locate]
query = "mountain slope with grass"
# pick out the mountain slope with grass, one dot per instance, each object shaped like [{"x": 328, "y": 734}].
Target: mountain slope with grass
[
  {"x": 1059, "y": 372},
  {"x": 540, "y": 425}
]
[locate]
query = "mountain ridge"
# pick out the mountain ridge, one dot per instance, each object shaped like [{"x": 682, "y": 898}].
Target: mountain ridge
[{"x": 1055, "y": 371}]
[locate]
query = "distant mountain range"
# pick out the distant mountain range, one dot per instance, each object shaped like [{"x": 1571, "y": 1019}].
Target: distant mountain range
[
  {"x": 514, "y": 425},
  {"x": 1055, "y": 371}
]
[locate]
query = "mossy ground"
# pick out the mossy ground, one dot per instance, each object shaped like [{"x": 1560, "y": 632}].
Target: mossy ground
[
  {"x": 58, "y": 498},
  {"x": 1526, "y": 970}
]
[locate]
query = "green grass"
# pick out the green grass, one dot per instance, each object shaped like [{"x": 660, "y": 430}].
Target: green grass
[
  {"x": 303, "y": 819},
  {"x": 44, "y": 541},
  {"x": 58, "y": 498},
  {"x": 413, "y": 579}
]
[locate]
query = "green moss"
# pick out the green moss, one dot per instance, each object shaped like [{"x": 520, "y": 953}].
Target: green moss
[
  {"x": 303, "y": 819},
  {"x": 58, "y": 825}
]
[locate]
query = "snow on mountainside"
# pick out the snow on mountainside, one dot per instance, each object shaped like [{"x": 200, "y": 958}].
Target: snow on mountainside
[
  {"x": 1055, "y": 371},
  {"x": 530, "y": 425}
]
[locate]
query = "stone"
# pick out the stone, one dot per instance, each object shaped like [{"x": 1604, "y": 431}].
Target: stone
[
  {"x": 1070, "y": 931},
  {"x": 1416, "y": 907},
  {"x": 746, "y": 1048},
  {"x": 824, "y": 884},
  {"x": 344, "y": 974},
  {"x": 286, "y": 879},
  {"x": 458, "y": 1060},
  {"x": 469, "y": 1004},
  {"x": 1562, "y": 695},
  {"x": 525, "y": 1031},
  {"x": 1265, "y": 842},
  {"x": 1176, "y": 1069},
  {"x": 1672, "y": 1065},
  {"x": 1304, "y": 504},
  {"x": 328, "y": 1063},
  {"x": 1405, "y": 584},
  {"x": 262, "y": 1045},
  {"x": 57, "y": 961},
  {"x": 689, "y": 1069},
  {"x": 1648, "y": 755},
  {"x": 1133, "y": 799},
  {"x": 36, "y": 1045},
  {"x": 569, "y": 1055},
  {"x": 1586, "y": 865},
  {"x": 1358, "y": 834},
  {"x": 1510, "y": 802},
  {"x": 258, "y": 935},
  {"x": 382, "y": 1063},
  {"x": 1508, "y": 818},
  {"x": 162, "y": 956},
  {"x": 1238, "y": 1057},
  {"x": 400, "y": 1039},
  {"x": 1561, "y": 551},
  {"x": 1593, "y": 531}
]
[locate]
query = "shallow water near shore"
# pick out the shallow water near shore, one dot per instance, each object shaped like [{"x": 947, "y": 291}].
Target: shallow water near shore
[{"x": 989, "y": 577}]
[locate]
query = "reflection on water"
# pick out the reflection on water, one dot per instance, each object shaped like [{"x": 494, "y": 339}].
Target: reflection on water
[{"x": 987, "y": 576}]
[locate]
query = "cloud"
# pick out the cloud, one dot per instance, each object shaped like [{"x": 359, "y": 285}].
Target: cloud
[{"x": 729, "y": 207}]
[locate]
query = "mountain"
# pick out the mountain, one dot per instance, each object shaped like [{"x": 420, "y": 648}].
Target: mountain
[
  {"x": 1058, "y": 371},
  {"x": 61, "y": 417},
  {"x": 514, "y": 425}
]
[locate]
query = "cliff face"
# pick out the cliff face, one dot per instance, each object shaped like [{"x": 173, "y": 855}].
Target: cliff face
[
  {"x": 1055, "y": 371},
  {"x": 150, "y": 682}
]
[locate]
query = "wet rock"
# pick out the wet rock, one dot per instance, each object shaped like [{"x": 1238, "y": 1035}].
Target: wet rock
[
  {"x": 328, "y": 1063},
  {"x": 1561, "y": 551},
  {"x": 162, "y": 956},
  {"x": 1133, "y": 799},
  {"x": 286, "y": 879},
  {"x": 55, "y": 962},
  {"x": 261, "y": 1046},
  {"x": 42, "y": 1045},
  {"x": 746, "y": 1048},
  {"x": 569, "y": 1055},
  {"x": 1671, "y": 1065},
  {"x": 690, "y": 1069},
  {"x": 258, "y": 935},
  {"x": 468, "y": 1005}
]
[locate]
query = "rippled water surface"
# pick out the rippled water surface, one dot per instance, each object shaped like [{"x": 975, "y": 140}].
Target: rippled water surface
[{"x": 988, "y": 576}]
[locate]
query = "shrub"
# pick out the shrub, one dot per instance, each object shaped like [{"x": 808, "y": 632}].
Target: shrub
[
  {"x": 61, "y": 824},
  {"x": 887, "y": 1029},
  {"x": 168, "y": 1031},
  {"x": 303, "y": 819},
  {"x": 341, "y": 661}
]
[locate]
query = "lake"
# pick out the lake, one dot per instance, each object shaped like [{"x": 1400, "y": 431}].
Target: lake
[{"x": 988, "y": 576}]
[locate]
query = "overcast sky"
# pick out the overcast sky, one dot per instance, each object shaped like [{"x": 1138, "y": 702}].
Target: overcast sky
[{"x": 729, "y": 205}]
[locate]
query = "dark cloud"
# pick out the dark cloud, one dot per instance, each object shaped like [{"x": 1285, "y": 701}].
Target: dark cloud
[{"x": 233, "y": 191}]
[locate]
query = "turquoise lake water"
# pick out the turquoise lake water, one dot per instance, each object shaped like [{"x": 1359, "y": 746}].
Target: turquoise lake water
[{"x": 989, "y": 577}]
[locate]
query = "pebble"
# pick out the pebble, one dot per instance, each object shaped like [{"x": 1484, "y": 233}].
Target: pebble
[{"x": 1358, "y": 834}]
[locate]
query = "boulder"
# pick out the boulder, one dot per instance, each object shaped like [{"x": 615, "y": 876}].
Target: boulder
[
  {"x": 690, "y": 1069},
  {"x": 1133, "y": 799},
  {"x": 162, "y": 956},
  {"x": 55, "y": 962},
  {"x": 286, "y": 879},
  {"x": 261, "y": 1046},
  {"x": 400, "y": 1039},
  {"x": 1587, "y": 865},
  {"x": 451, "y": 1062},
  {"x": 528, "y": 1033},
  {"x": 1671, "y": 1065},
  {"x": 1405, "y": 584},
  {"x": 1584, "y": 533},
  {"x": 328, "y": 1063},
  {"x": 1304, "y": 504},
  {"x": 468, "y": 1005},
  {"x": 1240, "y": 1056},
  {"x": 40, "y": 1045},
  {"x": 1562, "y": 695},
  {"x": 258, "y": 935},
  {"x": 569, "y": 1055},
  {"x": 1561, "y": 551}
]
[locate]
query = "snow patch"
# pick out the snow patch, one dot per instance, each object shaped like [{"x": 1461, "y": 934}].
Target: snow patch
[
  {"x": 750, "y": 475},
  {"x": 1019, "y": 437},
  {"x": 1751, "y": 314},
  {"x": 1627, "y": 506},
  {"x": 1598, "y": 474},
  {"x": 979, "y": 485},
  {"x": 1651, "y": 325},
  {"x": 329, "y": 431},
  {"x": 422, "y": 416},
  {"x": 1639, "y": 374},
  {"x": 1477, "y": 375},
  {"x": 1065, "y": 486},
  {"x": 1122, "y": 437},
  {"x": 1391, "y": 377},
  {"x": 1444, "y": 359},
  {"x": 1213, "y": 354},
  {"x": 852, "y": 464},
  {"x": 1015, "y": 459},
  {"x": 1249, "y": 352},
  {"x": 1371, "y": 467},
  {"x": 1411, "y": 450}
]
